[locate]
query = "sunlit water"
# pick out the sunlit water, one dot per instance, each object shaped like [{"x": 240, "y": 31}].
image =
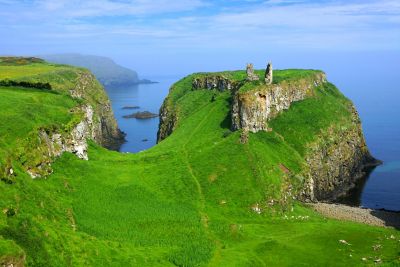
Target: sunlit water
[
  {"x": 376, "y": 95},
  {"x": 141, "y": 134},
  {"x": 377, "y": 98}
]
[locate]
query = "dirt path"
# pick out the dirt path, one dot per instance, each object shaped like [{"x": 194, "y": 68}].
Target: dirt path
[{"x": 367, "y": 216}]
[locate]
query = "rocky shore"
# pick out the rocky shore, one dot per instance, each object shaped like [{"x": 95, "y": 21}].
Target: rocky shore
[
  {"x": 368, "y": 216},
  {"x": 141, "y": 115}
]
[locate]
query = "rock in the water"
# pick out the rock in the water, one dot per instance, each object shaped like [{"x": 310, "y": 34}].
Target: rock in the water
[
  {"x": 268, "y": 73},
  {"x": 130, "y": 107},
  {"x": 141, "y": 115},
  {"x": 251, "y": 76}
]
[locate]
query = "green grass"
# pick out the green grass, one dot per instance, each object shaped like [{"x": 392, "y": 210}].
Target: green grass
[
  {"x": 186, "y": 201},
  {"x": 26, "y": 111},
  {"x": 240, "y": 76},
  {"x": 305, "y": 120},
  {"x": 13, "y": 72},
  {"x": 278, "y": 75}
]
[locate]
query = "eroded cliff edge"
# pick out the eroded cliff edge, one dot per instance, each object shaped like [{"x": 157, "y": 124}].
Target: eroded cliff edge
[
  {"x": 94, "y": 121},
  {"x": 91, "y": 117},
  {"x": 335, "y": 158}
]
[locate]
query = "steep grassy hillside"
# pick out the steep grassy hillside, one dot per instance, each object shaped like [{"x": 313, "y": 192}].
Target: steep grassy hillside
[{"x": 198, "y": 198}]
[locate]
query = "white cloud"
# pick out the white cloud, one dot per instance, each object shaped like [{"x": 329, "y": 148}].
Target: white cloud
[
  {"x": 96, "y": 8},
  {"x": 270, "y": 25}
]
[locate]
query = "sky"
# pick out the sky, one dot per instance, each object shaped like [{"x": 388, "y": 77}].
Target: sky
[{"x": 177, "y": 37}]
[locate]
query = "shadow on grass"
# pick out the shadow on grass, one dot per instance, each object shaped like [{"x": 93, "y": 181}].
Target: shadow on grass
[{"x": 226, "y": 123}]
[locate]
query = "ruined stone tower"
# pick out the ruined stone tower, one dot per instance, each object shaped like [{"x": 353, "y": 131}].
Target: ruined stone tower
[
  {"x": 268, "y": 73},
  {"x": 251, "y": 76}
]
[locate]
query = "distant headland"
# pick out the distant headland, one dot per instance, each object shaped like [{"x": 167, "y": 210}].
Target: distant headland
[{"x": 108, "y": 72}]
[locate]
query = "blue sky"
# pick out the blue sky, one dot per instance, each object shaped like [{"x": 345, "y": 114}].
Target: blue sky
[{"x": 180, "y": 36}]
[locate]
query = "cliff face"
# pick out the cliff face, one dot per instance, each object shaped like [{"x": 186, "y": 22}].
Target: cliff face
[
  {"x": 51, "y": 144},
  {"x": 93, "y": 119},
  {"x": 252, "y": 109},
  {"x": 104, "y": 128},
  {"x": 336, "y": 160},
  {"x": 168, "y": 121}
]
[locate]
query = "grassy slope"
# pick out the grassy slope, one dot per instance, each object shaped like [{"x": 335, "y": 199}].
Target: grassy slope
[{"x": 184, "y": 202}]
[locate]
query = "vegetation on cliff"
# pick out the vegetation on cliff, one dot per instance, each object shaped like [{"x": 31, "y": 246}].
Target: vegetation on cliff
[{"x": 200, "y": 197}]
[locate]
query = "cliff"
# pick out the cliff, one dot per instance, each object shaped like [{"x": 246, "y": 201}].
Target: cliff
[
  {"x": 200, "y": 197},
  {"x": 253, "y": 106},
  {"x": 336, "y": 160},
  {"x": 91, "y": 116},
  {"x": 104, "y": 128}
]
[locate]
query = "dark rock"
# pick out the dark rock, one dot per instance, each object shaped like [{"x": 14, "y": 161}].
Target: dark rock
[
  {"x": 337, "y": 160},
  {"x": 268, "y": 73},
  {"x": 131, "y": 107},
  {"x": 141, "y": 115},
  {"x": 168, "y": 120}
]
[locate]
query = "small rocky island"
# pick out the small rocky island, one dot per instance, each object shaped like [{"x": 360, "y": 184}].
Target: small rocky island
[
  {"x": 141, "y": 115},
  {"x": 130, "y": 107}
]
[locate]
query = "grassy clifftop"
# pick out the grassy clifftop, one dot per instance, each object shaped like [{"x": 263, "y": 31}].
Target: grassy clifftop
[{"x": 198, "y": 198}]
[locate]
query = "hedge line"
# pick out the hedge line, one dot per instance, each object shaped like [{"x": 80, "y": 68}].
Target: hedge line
[{"x": 37, "y": 85}]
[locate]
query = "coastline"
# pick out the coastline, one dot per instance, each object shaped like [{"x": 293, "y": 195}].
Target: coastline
[{"x": 382, "y": 218}]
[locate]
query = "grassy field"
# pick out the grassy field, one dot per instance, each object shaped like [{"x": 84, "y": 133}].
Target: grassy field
[{"x": 187, "y": 201}]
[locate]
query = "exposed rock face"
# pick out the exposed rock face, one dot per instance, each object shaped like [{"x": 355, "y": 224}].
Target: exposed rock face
[
  {"x": 98, "y": 123},
  {"x": 268, "y": 73},
  {"x": 252, "y": 109},
  {"x": 251, "y": 76},
  {"x": 336, "y": 161},
  {"x": 210, "y": 82},
  {"x": 105, "y": 131},
  {"x": 168, "y": 121},
  {"x": 54, "y": 144}
]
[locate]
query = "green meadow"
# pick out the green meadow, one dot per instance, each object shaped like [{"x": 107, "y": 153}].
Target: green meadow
[{"x": 188, "y": 201}]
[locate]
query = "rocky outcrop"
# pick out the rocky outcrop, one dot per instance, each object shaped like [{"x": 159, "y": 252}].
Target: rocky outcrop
[
  {"x": 251, "y": 76},
  {"x": 105, "y": 130},
  {"x": 336, "y": 160},
  {"x": 268, "y": 74},
  {"x": 168, "y": 121},
  {"x": 53, "y": 144},
  {"x": 93, "y": 119},
  {"x": 218, "y": 82},
  {"x": 169, "y": 116},
  {"x": 252, "y": 109}
]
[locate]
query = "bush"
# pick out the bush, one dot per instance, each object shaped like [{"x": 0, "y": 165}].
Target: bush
[{"x": 36, "y": 85}]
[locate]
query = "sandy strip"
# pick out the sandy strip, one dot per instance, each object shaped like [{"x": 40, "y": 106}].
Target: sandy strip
[{"x": 367, "y": 216}]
